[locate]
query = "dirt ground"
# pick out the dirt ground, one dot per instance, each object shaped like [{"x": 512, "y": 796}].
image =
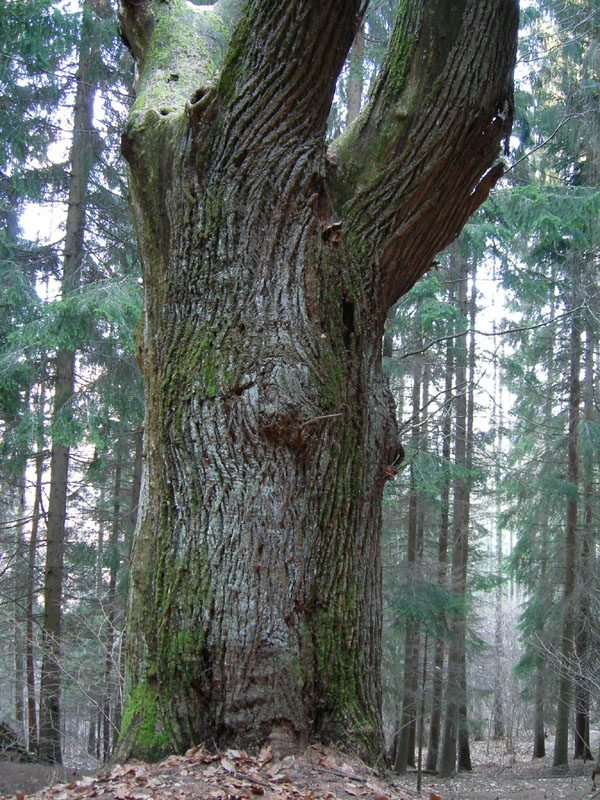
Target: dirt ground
[
  {"x": 29, "y": 778},
  {"x": 317, "y": 774}
]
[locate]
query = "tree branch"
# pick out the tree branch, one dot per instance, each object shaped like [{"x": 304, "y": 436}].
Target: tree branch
[
  {"x": 283, "y": 61},
  {"x": 177, "y": 47},
  {"x": 426, "y": 146}
]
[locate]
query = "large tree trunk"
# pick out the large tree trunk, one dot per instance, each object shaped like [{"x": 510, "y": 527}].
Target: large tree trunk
[{"x": 268, "y": 271}]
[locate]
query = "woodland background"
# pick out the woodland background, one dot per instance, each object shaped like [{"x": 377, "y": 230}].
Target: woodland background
[{"x": 492, "y": 358}]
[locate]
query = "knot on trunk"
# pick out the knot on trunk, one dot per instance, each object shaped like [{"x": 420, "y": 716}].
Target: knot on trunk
[
  {"x": 197, "y": 107},
  {"x": 282, "y": 426}
]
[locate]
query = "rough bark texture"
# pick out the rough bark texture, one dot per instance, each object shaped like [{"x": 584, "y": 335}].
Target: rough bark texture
[{"x": 268, "y": 269}]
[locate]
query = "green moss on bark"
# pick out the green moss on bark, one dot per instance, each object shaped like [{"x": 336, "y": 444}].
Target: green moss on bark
[
  {"x": 183, "y": 54},
  {"x": 142, "y": 732}
]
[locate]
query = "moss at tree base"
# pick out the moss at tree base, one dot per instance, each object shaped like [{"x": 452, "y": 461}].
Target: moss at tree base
[{"x": 142, "y": 733}]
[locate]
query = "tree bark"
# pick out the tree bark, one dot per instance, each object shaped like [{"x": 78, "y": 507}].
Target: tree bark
[
  {"x": 81, "y": 162},
  {"x": 268, "y": 269}
]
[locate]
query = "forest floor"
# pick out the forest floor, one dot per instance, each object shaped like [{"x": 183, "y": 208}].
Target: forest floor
[{"x": 318, "y": 774}]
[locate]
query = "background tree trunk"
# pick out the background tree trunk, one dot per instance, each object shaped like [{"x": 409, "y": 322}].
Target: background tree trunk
[
  {"x": 20, "y": 581},
  {"x": 497, "y": 425},
  {"x": 404, "y": 756},
  {"x": 437, "y": 687},
  {"x": 114, "y": 562},
  {"x": 563, "y": 709},
  {"x": 355, "y": 79},
  {"x": 454, "y": 683},
  {"x": 464, "y": 748},
  {"x": 583, "y": 616},
  {"x": 37, "y": 513},
  {"x": 81, "y": 163}
]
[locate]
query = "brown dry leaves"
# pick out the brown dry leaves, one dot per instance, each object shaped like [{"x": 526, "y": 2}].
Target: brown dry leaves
[{"x": 318, "y": 774}]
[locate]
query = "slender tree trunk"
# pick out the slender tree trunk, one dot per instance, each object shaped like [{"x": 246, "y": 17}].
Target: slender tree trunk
[
  {"x": 464, "y": 748},
  {"x": 540, "y": 683},
  {"x": 438, "y": 664},
  {"x": 134, "y": 500},
  {"x": 585, "y": 574},
  {"x": 497, "y": 703},
  {"x": 563, "y": 710},
  {"x": 81, "y": 163},
  {"x": 91, "y": 738},
  {"x": 96, "y": 694},
  {"x": 411, "y": 647},
  {"x": 539, "y": 730},
  {"x": 421, "y": 720},
  {"x": 32, "y": 736},
  {"x": 270, "y": 261},
  {"x": 49, "y": 732},
  {"x": 19, "y": 598},
  {"x": 114, "y": 564},
  {"x": 420, "y": 537},
  {"x": 454, "y": 683}
]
